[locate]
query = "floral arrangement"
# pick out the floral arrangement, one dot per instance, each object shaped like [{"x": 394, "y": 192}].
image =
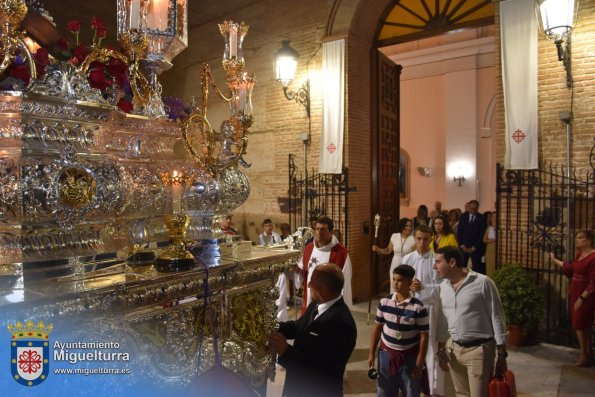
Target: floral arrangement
[{"x": 110, "y": 77}]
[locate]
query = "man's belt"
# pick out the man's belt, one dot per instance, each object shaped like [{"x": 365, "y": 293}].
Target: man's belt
[{"x": 473, "y": 343}]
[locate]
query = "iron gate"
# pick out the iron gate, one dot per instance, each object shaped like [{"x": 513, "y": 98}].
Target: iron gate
[
  {"x": 540, "y": 211},
  {"x": 326, "y": 194}
]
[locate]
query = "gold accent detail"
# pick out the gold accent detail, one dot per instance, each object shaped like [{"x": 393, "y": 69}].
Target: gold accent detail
[
  {"x": 77, "y": 187},
  {"x": 202, "y": 142},
  {"x": 176, "y": 178},
  {"x": 12, "y": 13},
  {"x": 177, "y": 224},
  {"x": 21, "y": 331},
  {"x": 135, "y": 44}
]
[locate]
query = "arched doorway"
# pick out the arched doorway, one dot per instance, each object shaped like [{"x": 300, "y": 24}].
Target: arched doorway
[{"x": 374, "y": 102}]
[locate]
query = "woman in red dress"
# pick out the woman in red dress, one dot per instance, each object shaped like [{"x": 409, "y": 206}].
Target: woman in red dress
[{"x": 582, "y": 288}]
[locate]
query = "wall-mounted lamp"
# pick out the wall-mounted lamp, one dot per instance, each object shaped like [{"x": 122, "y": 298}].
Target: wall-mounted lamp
[
  {"x": 424, "y": 171},
  {"x": 459, "y": 179},
  {"x": 286, "y": 60},
  {"x": 459, "y": 171},
  {"x": 556, "y": 18}
]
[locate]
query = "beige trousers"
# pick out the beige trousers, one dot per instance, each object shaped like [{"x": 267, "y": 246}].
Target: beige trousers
[{"x": 471, "y": 368}]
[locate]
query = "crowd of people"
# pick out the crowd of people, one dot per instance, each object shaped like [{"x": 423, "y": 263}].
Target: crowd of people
[
  {"x": 443, "y": 315},
  {"x": 472, "y": 232}
]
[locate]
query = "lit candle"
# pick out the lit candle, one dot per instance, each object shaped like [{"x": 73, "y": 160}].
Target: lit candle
[
  {"x": 157, "y": 15},
  {"x": 233, "y": 41},
  {"x": 135, "y": 14},
  {"x": 176, "y": 192}
]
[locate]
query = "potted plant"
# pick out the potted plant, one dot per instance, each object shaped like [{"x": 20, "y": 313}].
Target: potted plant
[{"x": 522, "y": 300}]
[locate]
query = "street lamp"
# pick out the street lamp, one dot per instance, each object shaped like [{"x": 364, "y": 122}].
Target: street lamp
[
  {"x": 286, "y": 59},
  {"x": 556, "y": 18}
]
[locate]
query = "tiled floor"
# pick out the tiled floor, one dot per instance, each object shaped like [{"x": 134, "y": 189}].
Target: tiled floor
[{"x": 541, "y": 371}]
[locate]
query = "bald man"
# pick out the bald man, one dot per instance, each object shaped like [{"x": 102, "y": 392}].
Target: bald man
[{"x": 324, "y": 338}]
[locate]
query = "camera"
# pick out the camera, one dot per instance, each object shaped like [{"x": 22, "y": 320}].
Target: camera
[{"x": 373, "y": 373}]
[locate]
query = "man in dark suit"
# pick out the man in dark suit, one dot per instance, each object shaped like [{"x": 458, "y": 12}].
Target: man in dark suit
[
  {"x": 324, "y": 338},
  {"x": 470, "y": 231}
]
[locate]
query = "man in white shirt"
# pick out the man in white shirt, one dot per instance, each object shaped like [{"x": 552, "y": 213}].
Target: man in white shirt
[
  {"x": 425, "y": 287},
  {"x": 268, "y": 236},
  {"x": 473, "y": 317}
]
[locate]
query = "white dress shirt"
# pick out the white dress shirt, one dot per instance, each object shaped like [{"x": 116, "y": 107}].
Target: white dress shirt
[
  {"x": 474, "y": 311},
  {"x": 425, "y": 274}
]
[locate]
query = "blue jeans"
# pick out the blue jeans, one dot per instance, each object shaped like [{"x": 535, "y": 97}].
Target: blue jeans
[{"x": 389, "y": 386}]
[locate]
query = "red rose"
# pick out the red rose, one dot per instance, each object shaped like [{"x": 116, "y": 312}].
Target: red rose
[
  {"x": 118, "y": 70},
  {"x": 97, "y": 24},
  {"x": 101, "y": 32},
  {"x": 21, "y": 72},
  {"x": 42, "y": 59},
  {"x": 62, "y": 44},
  {"x": 42, "y": 56},
  {"x": 97, "y": 79},
  {"x": 80, "y": 53},
  {"x": 73, "y": 26},
  {"x": 125, "y": 105}
]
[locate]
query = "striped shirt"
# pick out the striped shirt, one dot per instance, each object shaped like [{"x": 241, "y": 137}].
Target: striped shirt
[{"x": 402, "y": 321}]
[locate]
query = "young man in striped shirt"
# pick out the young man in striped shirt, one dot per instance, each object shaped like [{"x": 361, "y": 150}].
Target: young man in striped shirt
[{"x": 402, "y": 326}]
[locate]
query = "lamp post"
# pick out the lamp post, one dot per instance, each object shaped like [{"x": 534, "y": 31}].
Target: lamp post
[
  {"x": 286, "y": 60},
  {"x": 556, "y": 18}
]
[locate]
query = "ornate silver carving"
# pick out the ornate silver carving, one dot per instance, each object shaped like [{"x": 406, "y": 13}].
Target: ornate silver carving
[
  {"x": 44, "y": 187},
  {"x": 9, "y": 189},
  {"x": 62, "y": 80},
  {"x": 58, "y": 134},
  {"x": 234, "y": 189},
  {"x": 63, "y": 110}
]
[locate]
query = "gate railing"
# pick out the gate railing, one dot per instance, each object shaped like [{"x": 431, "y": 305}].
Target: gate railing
[
  {"x": 325, "y": 194},
  {"x": 540, "y": 211}
]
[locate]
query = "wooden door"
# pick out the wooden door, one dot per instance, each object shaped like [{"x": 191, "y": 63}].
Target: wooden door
[{"x": 385, "y": 160}]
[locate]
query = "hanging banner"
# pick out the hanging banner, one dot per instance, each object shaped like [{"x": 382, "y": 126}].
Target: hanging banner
[
  {"x": 518, "y": 33},
  {"x": 333, "y": 107}
]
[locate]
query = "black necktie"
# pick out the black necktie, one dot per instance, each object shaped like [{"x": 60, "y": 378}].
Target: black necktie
[{"x": 471, "y": 219}]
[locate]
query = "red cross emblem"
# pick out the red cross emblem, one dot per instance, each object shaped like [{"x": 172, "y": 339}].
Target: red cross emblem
[
  {"x": 331, "y": 148},
  {"x": 518, "y": 135}
]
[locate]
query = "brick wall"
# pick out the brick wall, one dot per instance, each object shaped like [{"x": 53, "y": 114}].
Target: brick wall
[
  {"x": 554, "y": 97},
  {"x": 278, "y": 121}
]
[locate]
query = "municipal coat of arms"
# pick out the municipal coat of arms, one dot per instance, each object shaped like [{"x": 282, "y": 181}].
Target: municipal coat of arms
[{"x": 29, "y": 348}]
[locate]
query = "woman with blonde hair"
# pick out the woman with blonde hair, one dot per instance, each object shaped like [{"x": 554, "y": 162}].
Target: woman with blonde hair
[{"x": 443, "y": 235}]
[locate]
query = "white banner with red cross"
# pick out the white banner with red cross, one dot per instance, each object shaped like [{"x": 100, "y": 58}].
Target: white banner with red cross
[
  {"x": 518, "y": 33},
  {"x": 333, "y": 107}
]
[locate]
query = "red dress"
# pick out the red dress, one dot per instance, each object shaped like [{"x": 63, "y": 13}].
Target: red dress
[{"x": 583, "y": 279}]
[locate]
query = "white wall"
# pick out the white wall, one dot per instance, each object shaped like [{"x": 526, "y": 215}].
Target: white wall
[{"x": 446, "y": 93}]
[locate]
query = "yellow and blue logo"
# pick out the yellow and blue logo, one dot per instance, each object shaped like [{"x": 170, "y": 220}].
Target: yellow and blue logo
[{"x": 30, "y": 347}]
